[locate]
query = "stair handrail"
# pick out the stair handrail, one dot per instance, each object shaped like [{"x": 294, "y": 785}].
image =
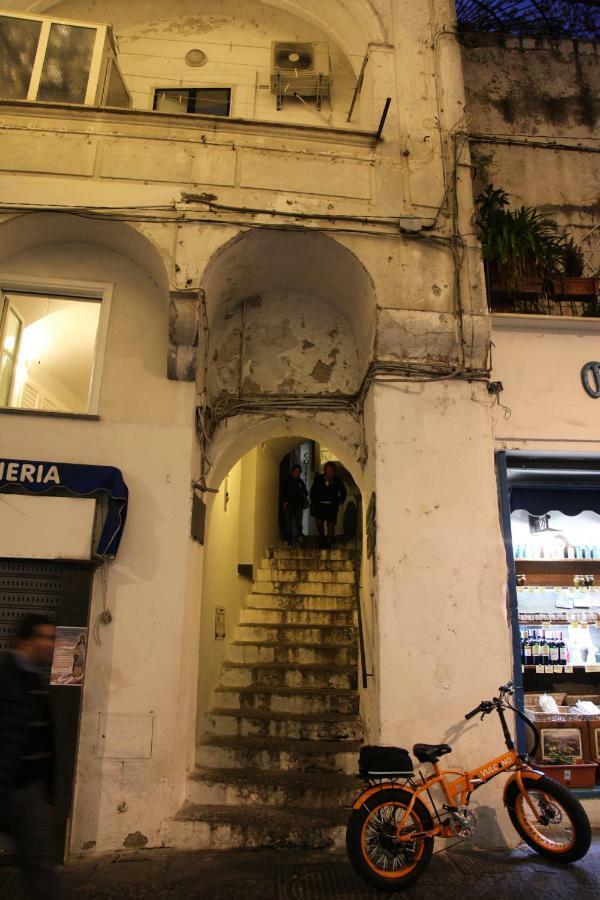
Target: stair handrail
[{"x": 357, "y": 586}]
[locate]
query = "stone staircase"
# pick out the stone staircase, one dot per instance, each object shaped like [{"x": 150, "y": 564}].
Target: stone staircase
[{"x": 276, "y": 767}]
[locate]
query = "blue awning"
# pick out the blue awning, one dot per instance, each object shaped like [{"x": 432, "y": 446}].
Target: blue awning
[
  {"x": 570, "y": 499},
  {"x": 38, "y": 477}
]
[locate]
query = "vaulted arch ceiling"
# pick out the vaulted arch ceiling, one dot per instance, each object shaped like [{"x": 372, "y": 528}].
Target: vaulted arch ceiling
[{"x": 352, "y": 24}]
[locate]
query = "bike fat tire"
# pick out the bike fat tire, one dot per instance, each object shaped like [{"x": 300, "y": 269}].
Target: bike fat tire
[
  {"x": 355, "y": 845},
  {"x": 582, "y": 833}
]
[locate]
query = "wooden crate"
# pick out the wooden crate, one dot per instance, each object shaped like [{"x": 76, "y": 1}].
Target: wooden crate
[{"x": 579, "y": 775}]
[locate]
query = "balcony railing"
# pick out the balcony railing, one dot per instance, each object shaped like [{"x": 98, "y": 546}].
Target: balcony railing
[{"x": 569, "y": 296}]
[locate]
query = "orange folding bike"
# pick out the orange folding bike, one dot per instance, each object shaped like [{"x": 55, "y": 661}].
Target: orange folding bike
[{"x": 392, "y": 827}]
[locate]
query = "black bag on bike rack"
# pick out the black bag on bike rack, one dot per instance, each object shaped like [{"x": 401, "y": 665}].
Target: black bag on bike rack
[{"x": 381, "y": 761}]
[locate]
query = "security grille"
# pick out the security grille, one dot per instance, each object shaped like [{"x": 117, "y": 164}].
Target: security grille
[
  {"x": 27, "y": 587},
  {"x": 555, "y": 18}
]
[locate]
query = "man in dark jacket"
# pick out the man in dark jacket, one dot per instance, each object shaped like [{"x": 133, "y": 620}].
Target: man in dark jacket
[
  {"x": 294, "y": 497},
  {"x": 27, "y": 756}
]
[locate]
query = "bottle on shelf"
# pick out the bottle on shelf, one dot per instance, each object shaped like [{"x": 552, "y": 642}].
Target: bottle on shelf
[
  {"x": 554, "y": 650},
  {"x": 544, "y": 650},
  {"x": 535, "y": 650},
  {"x": 562, "y": 650}
]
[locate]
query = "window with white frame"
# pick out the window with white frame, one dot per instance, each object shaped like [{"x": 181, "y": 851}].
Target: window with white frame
[{"x": 51, "y": 346}]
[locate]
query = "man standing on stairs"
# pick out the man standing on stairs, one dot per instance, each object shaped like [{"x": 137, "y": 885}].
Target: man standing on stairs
[
  {"x": 295, "y": 500},
  {"x": 327, "y": 494}
]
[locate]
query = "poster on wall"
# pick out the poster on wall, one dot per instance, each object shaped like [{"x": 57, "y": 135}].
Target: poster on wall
[{"x": 68, "y": 664}]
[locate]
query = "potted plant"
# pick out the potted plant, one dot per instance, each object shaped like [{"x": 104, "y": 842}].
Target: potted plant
[
  {"x": 571, "y": 282},
  {"x": 562, "y": 767},
  {"x": 522, "y": 249}
]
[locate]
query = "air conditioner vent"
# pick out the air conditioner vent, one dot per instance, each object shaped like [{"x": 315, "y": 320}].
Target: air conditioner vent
[{"x": 294, "y": 57}]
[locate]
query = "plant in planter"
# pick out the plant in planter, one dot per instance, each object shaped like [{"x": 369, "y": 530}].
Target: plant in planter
[
  {"x": 521, "y": 248},
  {"x": 571, "y": 282}
]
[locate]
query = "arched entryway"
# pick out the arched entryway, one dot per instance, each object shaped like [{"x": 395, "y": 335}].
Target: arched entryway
[{"x": 278, "y": 710}]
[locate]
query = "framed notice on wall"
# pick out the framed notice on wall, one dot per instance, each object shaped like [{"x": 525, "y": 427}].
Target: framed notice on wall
[{"x": 68, "y": 664}]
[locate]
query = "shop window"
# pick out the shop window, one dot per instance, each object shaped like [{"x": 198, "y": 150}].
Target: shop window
[
  {"x": 50, "y": 349},
  {"x": 206, "y": 101}
]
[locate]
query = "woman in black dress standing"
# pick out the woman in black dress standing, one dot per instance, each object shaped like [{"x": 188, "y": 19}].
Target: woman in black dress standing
[{"x": 327, "y": 494}]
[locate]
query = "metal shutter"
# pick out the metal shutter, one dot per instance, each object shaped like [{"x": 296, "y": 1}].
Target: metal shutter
[{"x": 27, "y": 587}]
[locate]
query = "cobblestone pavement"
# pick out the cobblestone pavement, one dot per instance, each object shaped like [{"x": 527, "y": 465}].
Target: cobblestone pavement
[{"x": 248, "y": 875}]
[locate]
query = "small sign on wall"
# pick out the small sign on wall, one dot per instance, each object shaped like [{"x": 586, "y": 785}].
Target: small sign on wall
[
  {"x": 198, "y": 518},
  {"x": 68, "y": 663}
]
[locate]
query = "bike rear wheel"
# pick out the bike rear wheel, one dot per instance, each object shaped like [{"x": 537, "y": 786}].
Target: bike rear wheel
[
  {"x": 374, "y": 850},
  {"x": 562, "y": 833}
]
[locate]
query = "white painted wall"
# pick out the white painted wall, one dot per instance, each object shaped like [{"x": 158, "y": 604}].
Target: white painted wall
[
  {"x": 443, "y": 631},
  {"x": 146, "y": 429},
  {"x": 46, "y": 527},
  {"x": 153, "y": 39},
  {"x": 539, "y": 359}
]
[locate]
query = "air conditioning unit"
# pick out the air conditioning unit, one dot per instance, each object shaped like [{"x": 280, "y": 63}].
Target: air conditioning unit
[{"x": 300, "y": 70}]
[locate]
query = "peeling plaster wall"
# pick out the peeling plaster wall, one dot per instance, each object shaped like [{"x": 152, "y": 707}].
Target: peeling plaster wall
[
  {"x": 548, "y": 92},
  {"x": 283, "y": 342},
  {"x": 534, "y": 86}
]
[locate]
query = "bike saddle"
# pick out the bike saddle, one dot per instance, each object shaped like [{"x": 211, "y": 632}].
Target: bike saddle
[{"x": 430, "y": 752}]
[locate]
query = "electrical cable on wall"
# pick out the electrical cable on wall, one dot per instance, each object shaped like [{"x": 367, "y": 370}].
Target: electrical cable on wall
[{"x": 104, "y": 617}]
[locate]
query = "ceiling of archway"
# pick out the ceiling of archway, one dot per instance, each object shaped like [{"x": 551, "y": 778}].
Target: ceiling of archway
[{"x": 263, "y": 261}]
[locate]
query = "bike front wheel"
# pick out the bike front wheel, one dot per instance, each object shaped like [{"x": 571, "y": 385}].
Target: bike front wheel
[
  {"x": 557, "y": 827},
  {"x": 377, "y": 854}
]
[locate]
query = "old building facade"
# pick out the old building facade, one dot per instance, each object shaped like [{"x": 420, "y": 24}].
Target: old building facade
[{"x": 293, "y": 267}]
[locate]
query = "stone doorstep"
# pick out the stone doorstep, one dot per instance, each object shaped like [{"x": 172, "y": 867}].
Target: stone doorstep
[
  {"x": 287, "y": 699},
  {"x": 266, "y": 616},
  {"x": 303, "y": 726},
  {"x": 293, "y": 652},
  {"x": 300, "y": 602},
  {"x": 324, "y": 576},
  {"x": 285, "y": 754},
  {"x": 311, "y": 675},
  {"x": 308, "y": 565},
  {"x": 313, "y": 588},
  {"x": 313, "y": 634},
  {"x": 336, "y": 553},
  {"x": 227, "y": 827},
  {"x": 307, "y": 790}
]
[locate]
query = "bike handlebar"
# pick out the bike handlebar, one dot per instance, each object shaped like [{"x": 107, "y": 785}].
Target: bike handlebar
[
  {"x": 473, "y": 712},
  {"x": 486, "y": 706}
]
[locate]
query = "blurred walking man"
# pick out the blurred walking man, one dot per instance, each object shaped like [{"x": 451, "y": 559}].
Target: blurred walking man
[{"x": 27, "y": 757}]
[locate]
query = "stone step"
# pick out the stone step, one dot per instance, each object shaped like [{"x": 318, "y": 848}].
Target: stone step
[
  {"x": 309, "y": 565},
  {"x": 338, "y": 553},
  {"x": 314, "y": 588},
  {"x": 299, "y": 726},
  {"x": 292, "y": 652},
  {"x": 253, "y": 616},
  {"x": 283, "y": 754},
  {"x": 307, "y": 675},
  {"x": 299, "y": 602},
  {"x": 295, "y": 790},
  {"x": 307, "y": 634},
  {"x": 306, "y": 701},
  {"x": 226, "y": 827},
  {"x": 324, "y": 576}
]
